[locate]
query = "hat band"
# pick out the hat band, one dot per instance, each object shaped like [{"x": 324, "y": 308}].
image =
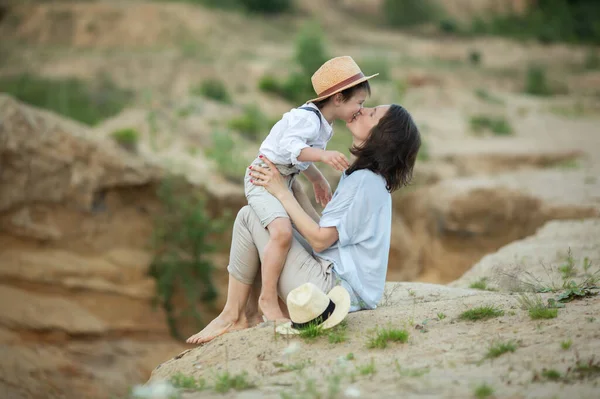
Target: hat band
[
  {"x": 342, "y": 84},
  {"x": 317, "y": 320}
]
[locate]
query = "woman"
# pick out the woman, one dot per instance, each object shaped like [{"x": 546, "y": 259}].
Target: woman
[{"x": 348, "y": 246}]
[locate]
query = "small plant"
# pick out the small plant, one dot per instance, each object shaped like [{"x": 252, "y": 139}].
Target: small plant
[
  {"x": 183, "y": 381},
  {"x": 536, "y": 308},
  {"x": 89, "y": 103},
  {"x": 225, "y": 381},
  {"x": 441, "y": 316},
  {"x": 311, "y": 332},
  {"x": 213, "y": 89},
  {"x": 252, "y": 124},
  {"x": 481, "y": 313},
  {"x": 483, "y": 391},
  {"x": 127, "y": 138},
  {"x": 551, "y": 374},
  {"x": 566, "y": 345},
  {"x": 293, "y": 366},
  {"x": 367, "y": 369},
  {"x": 536, "y": 82},
  {"x": 350, "y": 356},
  {"x": 383, "y": 336},
  {"x": 407, "y": 372},
  {"x": 592, "y": 60},
  {"x": 407, "y": 13},
  {"x": 499, "y": 348},
  {"x": 337, "y": 334},
  {"x": 480, "y": 284},
  {"x": 486, "y": 96},
  {"x": 497, "y": 125},
  {"x": 475, "y": 57}
]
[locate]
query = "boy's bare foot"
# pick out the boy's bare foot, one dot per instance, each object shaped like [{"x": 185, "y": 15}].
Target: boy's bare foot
[
  {"x": 271, "y": 309},
  {"x": 219, "y": 326}
]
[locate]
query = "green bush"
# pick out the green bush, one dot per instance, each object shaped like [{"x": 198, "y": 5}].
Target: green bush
[
  {"x": 475, "y": 57},
  {"x": 592, "y": 60},
  {"x": 88, "y": 103},
  {"x": 378, "y": 65},
  {"x": 127, "y": 138},
  {"x": 267, "y": 6},
  {"x": 448, "y": 25},
  {"x": 497, "y": 125},
  {"x": 184, "y": 235},
  {"x": 252, "y": 124},
  {"x": 407, "y": 13},
  {"x": 536, "y": 82},
  {"x": 226, "y": 154},
  {"x": 310, "y": 49},
  {"x": 214, "y": 89},
  {"x": 547, "y": 21},
  {"x": 269, "y": 84}
]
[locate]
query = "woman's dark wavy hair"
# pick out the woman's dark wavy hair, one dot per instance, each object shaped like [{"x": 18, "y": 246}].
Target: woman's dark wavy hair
[{"x": 391, "y": 149}]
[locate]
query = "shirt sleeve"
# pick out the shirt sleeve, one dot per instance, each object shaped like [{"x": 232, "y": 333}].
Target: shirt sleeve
[
  {"x": 300, "y": 132},
  {"x": 349, "y": 213}
]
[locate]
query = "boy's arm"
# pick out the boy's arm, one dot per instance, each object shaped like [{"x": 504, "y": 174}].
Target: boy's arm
[{"x": 335, "y": 159}]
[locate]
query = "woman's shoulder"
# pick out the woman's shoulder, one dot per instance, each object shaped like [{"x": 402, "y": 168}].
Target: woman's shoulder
[{"x": 365, "y": 178}]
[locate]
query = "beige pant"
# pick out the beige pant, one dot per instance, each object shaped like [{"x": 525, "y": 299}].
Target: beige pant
[{"x": 247, "y": 251}]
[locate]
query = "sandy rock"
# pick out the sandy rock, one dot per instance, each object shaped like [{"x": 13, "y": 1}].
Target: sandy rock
[
  {"x": 454, "y": 223},
  {"x": 534, "y": 262}
]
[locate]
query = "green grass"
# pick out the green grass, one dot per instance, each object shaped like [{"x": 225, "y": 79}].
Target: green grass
[
  {"x": 441, "y": 316},
  {"x": 483, "y": 391},
  {"x": 385, "y": 335},
  {"x": 311, "y": 332},
  {"x": 298, "y": 366},
  {"x": 408, "y": 372},
  {"x": 566, "y": 345},
  {"x": 499, "y": 126},
  {"x": 542, "y": 313},
  {"x": 481, "y": 313},
  {"x": 350, "y": 356},
  {"x": 499, "y": 348},
  {"x": 227, "y": 154},
  {"x": 224, "y": 382},
  {"x": 480, "y": 284},
  {"x": 213, "y": 89},
  {"x": 180, "y": 380},
  {"x": 367, "y": 369},
  {"x": 86, "y": 102},
  {"x": 338, "y": 333},
  {"x": 551, "y": 374},
  {"x": 127, "y": 136},
  {"x": 536, "y": 82},
  {"x": 486, "y": 96},
  {"x": 252, "y": 124}
]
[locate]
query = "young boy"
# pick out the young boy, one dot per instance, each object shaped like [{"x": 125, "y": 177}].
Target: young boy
[{"x": 295, "y": 142}]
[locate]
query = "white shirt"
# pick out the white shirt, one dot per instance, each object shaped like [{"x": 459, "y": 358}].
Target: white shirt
[{"x": 296, "y": 130}]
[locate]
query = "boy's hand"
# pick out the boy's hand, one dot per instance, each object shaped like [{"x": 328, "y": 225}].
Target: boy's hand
[
  {"x": 322, "y": 191},
  {"x": 335, "y": 159}
]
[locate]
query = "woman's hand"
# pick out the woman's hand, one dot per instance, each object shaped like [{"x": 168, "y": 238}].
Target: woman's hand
[{"x": 269, "y": 178}]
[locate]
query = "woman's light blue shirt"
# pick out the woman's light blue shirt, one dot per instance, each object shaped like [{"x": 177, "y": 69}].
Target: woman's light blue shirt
[{"x": 361, "y": 211}]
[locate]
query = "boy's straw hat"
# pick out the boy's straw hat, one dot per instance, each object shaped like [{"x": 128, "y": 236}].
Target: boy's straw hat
[
  {"x": 335, "y": 75},
  {"x": 307, "y": 305}
]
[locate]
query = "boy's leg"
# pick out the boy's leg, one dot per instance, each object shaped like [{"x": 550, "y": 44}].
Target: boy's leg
[
  {"x": 274, "y": 257},
  {"x": 304, "y": 201}
]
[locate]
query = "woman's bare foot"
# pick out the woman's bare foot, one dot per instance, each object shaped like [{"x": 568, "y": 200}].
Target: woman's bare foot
[
  {"x": 219, "y": 326},
  {"x": 271, "y": 309}
]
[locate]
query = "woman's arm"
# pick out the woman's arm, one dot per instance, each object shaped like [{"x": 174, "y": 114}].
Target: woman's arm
[
  {"x": 303, "y": 200},
  {"x": 319, "y": 238}
]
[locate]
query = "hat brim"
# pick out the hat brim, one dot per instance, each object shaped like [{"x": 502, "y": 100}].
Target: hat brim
[
  {"x": 340, "y": 297},
  {"x": 363, "y": 79}
]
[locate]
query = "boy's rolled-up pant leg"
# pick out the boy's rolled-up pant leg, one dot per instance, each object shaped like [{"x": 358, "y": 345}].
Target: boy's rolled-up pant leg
[{"x": 247, "y": 251}]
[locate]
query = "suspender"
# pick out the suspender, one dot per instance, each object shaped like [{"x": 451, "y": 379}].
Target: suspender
[{"x": 315, "y": 111}]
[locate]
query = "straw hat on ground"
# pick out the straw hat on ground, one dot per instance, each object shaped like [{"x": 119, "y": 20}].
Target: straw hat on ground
[
  {"x": 336, "y": 75},
  {"x": 307, "y": 305}
]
